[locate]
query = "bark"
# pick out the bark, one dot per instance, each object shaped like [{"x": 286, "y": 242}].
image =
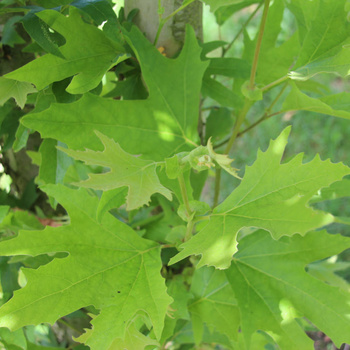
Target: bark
[{"x": 173, "y": 32}]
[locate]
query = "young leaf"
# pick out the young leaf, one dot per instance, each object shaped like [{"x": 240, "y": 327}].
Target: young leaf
[
  {"x": 272, "y": 196},
  {"x": 272, "y": 288},
  {"x": 164, "y": 124},
  {"x": 126, "y": 170},
  {"x": 88, "y": 55},
  {"x": 16, "y": 89},
  {"x": 109, "y": 266}
]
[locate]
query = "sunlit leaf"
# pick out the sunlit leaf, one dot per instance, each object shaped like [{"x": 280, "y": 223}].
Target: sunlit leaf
[{"x": 272, "y": 196}]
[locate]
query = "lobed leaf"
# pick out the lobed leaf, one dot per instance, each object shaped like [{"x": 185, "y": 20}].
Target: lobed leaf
[
  {"x": 109, "y": 266},
  {"x": 137, "y": 174},
  {"x": 273, "y": 289},
  {"x": 272, "y": 196},
  {"x": 158, "y": 127},
  {"x": 16, "y": 89},
  {"x": 88, "y": 55}
]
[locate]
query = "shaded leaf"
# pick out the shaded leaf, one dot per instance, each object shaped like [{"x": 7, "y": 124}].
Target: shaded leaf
[
  {"x": 229, "y": 67},
  {"x": 109, "y": 200},
  {"x": 336, "y": 105},
  {"x": 223, "y": 13},
  {"x": 219, "y": 124},
  {"x": 221, "y": 94},
  {"x": 339, "y": 189},
  {"x": 40, "y": 32},
  {"x": 215, "y": 4},
  {"x": 213, "y": 304},
  {"x": 9, "y": 36}
]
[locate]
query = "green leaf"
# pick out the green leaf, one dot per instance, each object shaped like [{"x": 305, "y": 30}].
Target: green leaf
[
  {"x": 16, "y": 338},
  {"x": 215, "y": 4},
  {"x": 98, "y": 10},
  {"x": 16, "y": 89},
  {"x": 272, "y": 288},
  {"x": 229, "y": 67},
  {"x": 88, "y": 55},
  {"x": 172, "y": 167},
  {"x": 223, "y": 13},
  {"x": 3, "y": 211},
  {"x": 339, "y": 189},
  {"x": 221, "y": 94},
  {"x": 109, "y": 200},
  {"x": 326, "y": 47},
  {"x": 254, "y": 94},
  {"x": 169, "y": 116},
  {"x": 213, "y": 303},
  {"x": 275, "y": 59},
  {"x": 40, "y": 32},
  {"x": 219, "y": 124},
  {"x": 109, "y": 266},
  {"x": 9, "y": 35},
  {"x": 272, "y": 196},
  {"x": 54, "y": 163},
  {"x": 336, "y": 105},
  {"x": 133, "y": 340},
  {"x": 139, "y": 175},
  {"x": 304, "y": 13},
  {"x": 325, "y": 270}
]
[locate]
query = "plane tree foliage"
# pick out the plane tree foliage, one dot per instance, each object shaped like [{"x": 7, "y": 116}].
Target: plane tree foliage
[{"x": 138, "y": 249}]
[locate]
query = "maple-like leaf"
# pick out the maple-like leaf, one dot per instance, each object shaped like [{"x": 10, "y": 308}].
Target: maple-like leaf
[
  {"x": 126, "y": 170},
  {"x": 16, "y": 89},
  {"x": 272, "y": 288},
  {"x": 88, "y": 54},
  {"x": 272, "y": 196},
  {"x": 158, "y": 127},
  {"x": 109, "y": 266}
]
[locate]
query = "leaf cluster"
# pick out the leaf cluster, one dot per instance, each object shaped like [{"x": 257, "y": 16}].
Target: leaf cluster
[{"x": 128, "y": 150}]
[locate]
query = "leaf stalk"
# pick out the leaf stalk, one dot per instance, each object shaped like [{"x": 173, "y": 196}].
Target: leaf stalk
[
  {"x": 258, "y": 44},
  {"x": 247, "y": 103}
]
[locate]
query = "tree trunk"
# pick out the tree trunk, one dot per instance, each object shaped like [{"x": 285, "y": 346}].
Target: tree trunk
[{"x": 173, "y": 32}]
